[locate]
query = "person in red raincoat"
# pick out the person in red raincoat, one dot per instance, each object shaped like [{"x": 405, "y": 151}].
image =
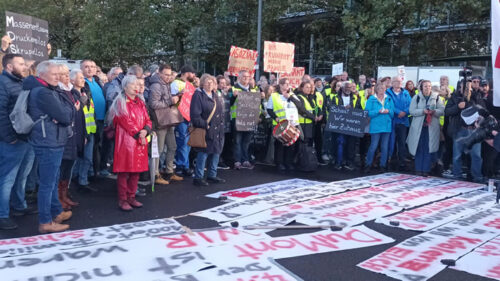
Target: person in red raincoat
[{"x": 132, "y": 125}]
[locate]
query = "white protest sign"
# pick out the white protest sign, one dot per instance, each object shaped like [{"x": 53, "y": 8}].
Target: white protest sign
[
  {"x": 88, "y": 237},
  {"x": 433, "y": 215},
  {"x": 264, "y": 189},
  {"x": 337, "y": 69},
  {"x": 402, "y": 74},
  {"x": 262, "y": 270},
  {"x": 154, "y": 147},
  {"x": 418, "y": 258},
  {"x": 483, "y": 261},
  {"x": 298, "y": 245}
]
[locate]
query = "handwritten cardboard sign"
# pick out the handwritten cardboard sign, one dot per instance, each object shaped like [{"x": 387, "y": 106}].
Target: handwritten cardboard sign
[
  {"x": 248, "y": 111},
  {"x": 241, "y": 59},
  {"x": 337, "y": 69},
  {"x": 185, "y": 104},
  {"x": 347, "y": 121},
  {"x": 278, "y": 57},
  {"x": 29, "y": 36},
  {"x": 295, "y": 76}
]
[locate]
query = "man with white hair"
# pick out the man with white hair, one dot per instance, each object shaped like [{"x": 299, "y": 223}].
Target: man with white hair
[
  {"x": 55, "y": 110},
  {"x": 400, "y": 123},
  {"x": 444, "y": 81}
]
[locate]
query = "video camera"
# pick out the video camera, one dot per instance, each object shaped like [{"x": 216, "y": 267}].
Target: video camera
[{"x": 487, "y": 124}]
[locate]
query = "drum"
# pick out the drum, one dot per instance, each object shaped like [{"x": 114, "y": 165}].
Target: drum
[{"x": 286, "y": 133}]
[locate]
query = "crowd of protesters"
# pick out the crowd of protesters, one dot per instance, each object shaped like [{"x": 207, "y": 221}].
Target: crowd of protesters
[{"x": 89, "y": 124}]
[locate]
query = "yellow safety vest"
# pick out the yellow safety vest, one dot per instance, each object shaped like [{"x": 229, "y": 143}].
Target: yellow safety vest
[
  {"x": 309, "y": 108},
  {"x": 441, "y": 118},
  {"x": 319, "y": 100},
  {"x": 354, "y": 100},
  {"x": 90, "y": 125},
  {"x": 234, "y": 107},
  {"x": 278, "y": 108},
  {"x": 362, "y": 98},
  {"x": 180, "y": 84}
]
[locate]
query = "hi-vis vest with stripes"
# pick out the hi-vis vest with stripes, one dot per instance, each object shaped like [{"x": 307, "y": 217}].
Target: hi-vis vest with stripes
[
  {"x": 354, "y": 100},
  {"x": 278, "y": 108},
  {"x": 88, "y": 111},
  {"x": 309, "y": 108},
  {"x": 180, "y": 84},
  {"x": 235, "y": 106}
]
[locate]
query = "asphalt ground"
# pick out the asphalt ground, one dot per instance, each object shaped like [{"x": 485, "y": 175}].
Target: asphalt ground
[{"x": 101, "y": 208}]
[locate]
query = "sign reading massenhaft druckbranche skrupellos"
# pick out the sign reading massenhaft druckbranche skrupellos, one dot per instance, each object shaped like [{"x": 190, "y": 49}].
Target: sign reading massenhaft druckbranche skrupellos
[
  {"x": 483, "y": 261},
  {"x": 419, "y": 257},
  {"x": 88, "y": 237},
  {"x": 29, "y": 36}
]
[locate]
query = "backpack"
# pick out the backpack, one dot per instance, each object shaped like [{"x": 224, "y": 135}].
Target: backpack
[
  {"x": 19, "y": 117},
  {"x": 307, "y": 159}
]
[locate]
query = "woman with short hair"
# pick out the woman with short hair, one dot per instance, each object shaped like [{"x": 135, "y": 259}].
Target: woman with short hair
[{"x": 132, "y": 125}]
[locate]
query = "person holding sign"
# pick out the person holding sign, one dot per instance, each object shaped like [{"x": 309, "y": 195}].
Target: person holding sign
[
  {"x": 242, "y": 139},
  {"x": 308, "y": 118},
  {"x": 207, "y": 112},
  {"x": 381, "y": 110},
  {"x": 347, "y": 98},
  {"x": 284, "y": 105}
]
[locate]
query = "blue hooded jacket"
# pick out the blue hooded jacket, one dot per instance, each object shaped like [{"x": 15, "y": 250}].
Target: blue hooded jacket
[{"x": 401, "y": 103}]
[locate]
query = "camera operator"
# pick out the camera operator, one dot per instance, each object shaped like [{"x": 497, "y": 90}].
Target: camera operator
[
  {"x": 463, "y": 98},
  {"x": 489, "y": 152}
]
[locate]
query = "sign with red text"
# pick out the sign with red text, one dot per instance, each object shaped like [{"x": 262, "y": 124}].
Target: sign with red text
[
  {"x": 88, "y": 237},
  {"x": 483, "y": 261},
  {"x": 295, "y": 76},
  {"x": 278, "y": 57},
  {"x": 419, "y": 257},
  {"x": 185, "y": 104},
  {"x": 433, "y": 215},
  {"x": 495, "y": 50},
  {"x": 241, "y": 59}
]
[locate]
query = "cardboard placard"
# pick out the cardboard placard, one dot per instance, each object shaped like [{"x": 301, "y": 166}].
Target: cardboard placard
[
  {"x": 241, "y": 59},
  {"x": 248, "y": 111},
  {"x": 29, "y": 36},
  {"x": 347, "y": 121},
  {"x": 185, "y": 104},
  {"x": 278, "y": 57},
  {"x": 295, "y": 76}
]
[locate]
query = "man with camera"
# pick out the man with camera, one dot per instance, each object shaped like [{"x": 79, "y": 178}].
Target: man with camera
[{"x": 465, "y": 97}]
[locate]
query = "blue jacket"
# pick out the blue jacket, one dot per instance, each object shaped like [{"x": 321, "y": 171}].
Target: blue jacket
[
  {"x": 53, "y": 102},
  {"x": 10, "y": 88},
  {"x": 401, "y": 103},
  {"x": 380, "y": 123}
]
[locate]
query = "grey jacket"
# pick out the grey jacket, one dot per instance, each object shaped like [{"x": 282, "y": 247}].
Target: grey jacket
[
  {"x": 417, "y": 111},
  {"x": 160, "y": 96}
]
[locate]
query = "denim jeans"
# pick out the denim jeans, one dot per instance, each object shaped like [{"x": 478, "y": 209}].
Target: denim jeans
[
  {"x": 383, "y": 138},
  {"x": 423, "y": 158},
  {"x": 182, "y": 151},
  {"x": 201, "y": 160},
  {"x": 241, "y": 144},
  {"x": 49, "y": 161},
  {"x": 32, "y": 180},
  {"x": 85, "y": 163},
  {"x": 346, "y": 146},
  {"x": 475, "y": 155},
  {"x": 15, "y": 165},
  {"x": 398, "y": 142}
]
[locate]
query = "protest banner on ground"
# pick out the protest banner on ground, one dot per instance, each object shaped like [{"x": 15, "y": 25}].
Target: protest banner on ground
[
  {"x": 348, "y": 121},
  {"x": 264, "y": 189},
  {"x": 483, "y": 261},
  {"x": 433, "y": 215},
  {"x": 295, "y": 76},
  {"x": 29, "y": 36},
  {"x": 185, "y": 104},
  {"x": 88, "y": 237},
  {"x": 278, "y": 57},
  {"x": 262, "y": 270},
  {"x": 419, "y": 257},
  {"x": 247, "y": 111},
  {"x": 241, "y": 59}
]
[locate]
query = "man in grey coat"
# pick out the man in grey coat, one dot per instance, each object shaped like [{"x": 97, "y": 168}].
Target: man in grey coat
[{"x": 160, "y": 101}]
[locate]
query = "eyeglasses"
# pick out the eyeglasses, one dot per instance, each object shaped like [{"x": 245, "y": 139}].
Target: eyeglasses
[{"x": 475, "y": 81}]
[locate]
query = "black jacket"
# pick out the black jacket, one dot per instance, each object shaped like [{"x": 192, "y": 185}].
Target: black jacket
[
  {"x": 10, "y": 88},
  {"x": 452, "y": 111},
  {"x": 201, "y": 107},
  {"x": 74, "y": 146}
]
